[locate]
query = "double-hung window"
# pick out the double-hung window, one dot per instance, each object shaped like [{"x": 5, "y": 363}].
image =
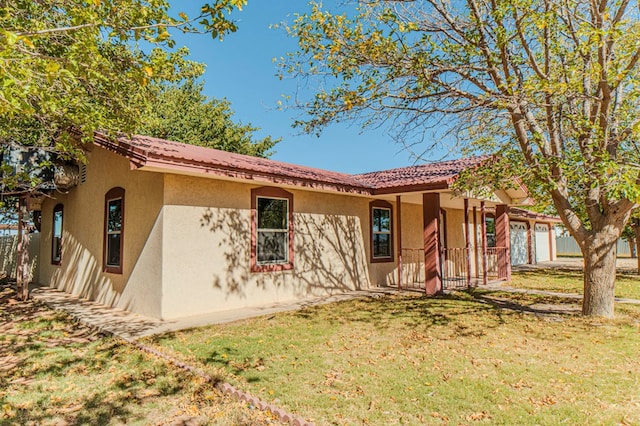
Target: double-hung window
[
  {"x": 272, "y": 231},
  {"x": 56, "y": 235},
  {"x": 381, "y": 231},
  {"x": 114, "y": 230}
]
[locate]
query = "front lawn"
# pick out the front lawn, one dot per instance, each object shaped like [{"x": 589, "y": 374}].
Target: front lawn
[
  {"x": 569, "y": 281},
  {"x": 466, "y": 358},
  {"x": 54, "y": 371}
]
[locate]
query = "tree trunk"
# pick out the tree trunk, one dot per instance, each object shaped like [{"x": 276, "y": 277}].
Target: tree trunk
[
  {"x": 636, "y": 229},
  {"x": 599, "y": 276}
]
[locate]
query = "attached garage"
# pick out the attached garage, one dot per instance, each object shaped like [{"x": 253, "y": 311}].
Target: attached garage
[
  {"x": 543, "y": 253},
  {"x": 519, "y": 243}
]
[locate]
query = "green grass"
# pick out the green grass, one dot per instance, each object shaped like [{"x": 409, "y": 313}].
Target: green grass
[
  {"x": 55, "y": 371},
  {"x": 568, "y": 281},
  {"x": 479, "y": 357}
]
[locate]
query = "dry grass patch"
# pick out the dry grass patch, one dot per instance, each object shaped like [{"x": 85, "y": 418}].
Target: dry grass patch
[
  {"x": 55, "y": 371},
  {"x": 571, "y": 281},
  {"x": 461, "y": 359}
]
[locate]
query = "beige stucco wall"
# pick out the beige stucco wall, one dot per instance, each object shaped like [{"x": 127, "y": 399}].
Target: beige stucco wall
[
  {"x": 207, "y": 240},
  {"x": 80, "y": 272}
]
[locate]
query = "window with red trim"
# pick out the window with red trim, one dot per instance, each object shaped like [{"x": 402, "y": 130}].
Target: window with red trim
[
  {"x": 381, "y": 220},
  {"x": 114, "y": 230},
  {"x": 271, "y": 229},
  {"x": 56, "y": 234}
]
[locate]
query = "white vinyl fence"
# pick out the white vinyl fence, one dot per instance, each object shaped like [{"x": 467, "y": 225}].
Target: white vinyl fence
[
  {"x": 9, "y": 254},
  {"x": 567, "y": 246}
]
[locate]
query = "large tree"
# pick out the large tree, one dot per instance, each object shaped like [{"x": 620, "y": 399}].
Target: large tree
[
  {"x": 69, "y": 67},
  {"x": 181, "y": 112},
  {"x": 553, "y": 84}
]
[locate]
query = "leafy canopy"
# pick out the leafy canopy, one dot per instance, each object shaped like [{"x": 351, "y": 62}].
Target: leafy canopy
[
  {"x": 552, "y": 85},
  {"x": 75, "y": 66},
  {"x": 183, "y": 113}
]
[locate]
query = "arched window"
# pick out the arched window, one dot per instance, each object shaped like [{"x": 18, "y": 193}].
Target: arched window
[
  {"x": 56, "y": 234},
  {"x": 114, "y": 230}
]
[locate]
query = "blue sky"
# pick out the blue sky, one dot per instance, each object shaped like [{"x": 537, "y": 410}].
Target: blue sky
[{"x": 241, "y": 69}]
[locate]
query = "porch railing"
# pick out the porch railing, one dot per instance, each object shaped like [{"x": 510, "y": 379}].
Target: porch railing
[
  {"x": 454, "y": 267},
  {"x": 497, "y": 261},
  {"x": 412, "y": 268},
  {"x": 455, "y": 270}
]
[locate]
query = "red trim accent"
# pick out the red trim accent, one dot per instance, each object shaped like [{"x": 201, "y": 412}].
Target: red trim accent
[
  {"x": 57, "y": 208},
  {"x": 269, "y": 192},
  {"x": 399, "y": 226},
  {"x": 113, "y": 194},
  {"x": 503, "y": 240},
  {"x": 383, "y": 205},
  {"x": 431, "y": 231}
]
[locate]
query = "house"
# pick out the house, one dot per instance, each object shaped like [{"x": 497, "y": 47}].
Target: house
[
  {"x": 533, "y": 238},
  {"x": 170, "y": 230}
]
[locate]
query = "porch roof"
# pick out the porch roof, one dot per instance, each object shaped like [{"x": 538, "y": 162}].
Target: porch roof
[
  {"x": 428, "y": 176},
  {"x": 155, "y": 154}
]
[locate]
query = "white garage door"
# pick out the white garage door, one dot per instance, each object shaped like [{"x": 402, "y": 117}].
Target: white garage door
[
  {"x": 518, "y": 236},
  {"x": 542, "y": 242}
]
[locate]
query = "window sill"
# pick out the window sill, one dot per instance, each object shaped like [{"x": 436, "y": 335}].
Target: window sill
[{"x": 272, "y": 267}]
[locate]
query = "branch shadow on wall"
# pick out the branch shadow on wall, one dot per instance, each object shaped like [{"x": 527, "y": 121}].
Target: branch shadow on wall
[
  {"x": 81, "y": 275},
  {"x": 329, "y": 255}
]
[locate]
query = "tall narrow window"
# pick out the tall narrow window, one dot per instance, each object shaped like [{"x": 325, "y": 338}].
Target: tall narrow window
[
  {"x": 272, "y": 230},
  {"x": 56, "y": 235},
  {"x": 490, "y": 224},
  {"x": 114, "y": 230},
  {"x": 381, "y": 231}
]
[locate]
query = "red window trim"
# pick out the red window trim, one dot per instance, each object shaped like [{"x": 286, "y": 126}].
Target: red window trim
[
  {"x": 57, "y": 208},
  {"x": 383, "y": 205},
  {"x": 113, "y": 194},
  {"x": 269, "y": 192}
]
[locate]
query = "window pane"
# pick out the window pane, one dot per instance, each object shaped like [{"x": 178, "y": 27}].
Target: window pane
[
  {"x": 272, "y": 213},
  {"x": 381, "y": 220},
  {"x": 490, "y": 224},
  {"x": 57, "y": 223},
  {"x": 114, "y": 222},
  {"x": 113, "y": 250},
  {"x": 272, "y": 247},
  {"x": 57, "y": 248},
  {"x": 381, "y": 247}
]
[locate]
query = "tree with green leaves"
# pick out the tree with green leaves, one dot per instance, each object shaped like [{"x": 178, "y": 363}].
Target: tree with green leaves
[
  {"x": 70, "y": 67},
  {"x": 181, "y": 112},
  {"x": 553, "y": 85}
]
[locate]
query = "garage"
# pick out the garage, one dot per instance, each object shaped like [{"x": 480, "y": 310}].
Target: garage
[
  {"x": 542, "y": 242},
  {"x": 519, "y": 245}
]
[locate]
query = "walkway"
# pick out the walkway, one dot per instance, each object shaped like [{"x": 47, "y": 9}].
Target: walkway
[
  {"x": 623, "y": 265},
  {"x": 130, "y": 326}
]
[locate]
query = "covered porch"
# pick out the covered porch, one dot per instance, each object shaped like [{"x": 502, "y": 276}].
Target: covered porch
[{"x": 447, "y": 241}]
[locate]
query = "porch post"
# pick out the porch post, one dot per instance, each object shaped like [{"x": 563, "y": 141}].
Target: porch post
[
  {"x": 399, "y": 225},
  {"x": 483, "y": 227},
  {"x": 503, "y": 240},
  {"x": 475, "y": 242},
  {"x": 430, "y": 219},
  {"x": 467, "y": 243}
]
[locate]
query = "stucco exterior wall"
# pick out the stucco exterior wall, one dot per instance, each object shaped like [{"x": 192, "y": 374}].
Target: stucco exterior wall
[
  {"x": 81, "y": 269},
  {"x": 207, "y": 240}
]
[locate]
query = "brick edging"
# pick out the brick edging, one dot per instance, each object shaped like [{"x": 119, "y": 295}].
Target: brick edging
[{"x": 226, "y": 388}]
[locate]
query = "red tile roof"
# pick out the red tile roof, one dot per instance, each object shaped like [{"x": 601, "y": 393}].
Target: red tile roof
[
  {"x": 425, "y": 176},
  {"x": 159, "y": 153},
  {"x": 517, "y": 213}
]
